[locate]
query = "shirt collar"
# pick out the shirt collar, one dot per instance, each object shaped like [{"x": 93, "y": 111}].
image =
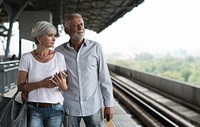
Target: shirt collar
[{"x": 85, "y": 42}]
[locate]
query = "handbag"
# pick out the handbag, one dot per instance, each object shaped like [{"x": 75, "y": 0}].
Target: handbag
[{"x": 12, "y": 112}]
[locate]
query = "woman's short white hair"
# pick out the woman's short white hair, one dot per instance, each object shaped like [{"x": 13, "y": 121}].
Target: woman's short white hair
[{"x": 42, "y": 28}]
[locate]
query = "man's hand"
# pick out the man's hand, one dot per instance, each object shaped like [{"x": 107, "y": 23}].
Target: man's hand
[
  {"x": 108, "y": 113},
  {"x": 60, "y": 79}
]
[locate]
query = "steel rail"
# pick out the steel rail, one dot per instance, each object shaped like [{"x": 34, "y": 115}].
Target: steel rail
[{"x": 149, "y": 112}]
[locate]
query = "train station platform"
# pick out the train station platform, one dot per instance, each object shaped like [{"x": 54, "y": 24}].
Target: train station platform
[{"x": 121, "y": 118}]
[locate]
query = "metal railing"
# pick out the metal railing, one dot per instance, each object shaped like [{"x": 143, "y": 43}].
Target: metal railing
[
  {"x": 181, "y": 91},
  {"x": 8, "y": 75}
]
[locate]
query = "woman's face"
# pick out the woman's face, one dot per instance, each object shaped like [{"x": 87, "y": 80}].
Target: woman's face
[{"x": 48, "y": 40}]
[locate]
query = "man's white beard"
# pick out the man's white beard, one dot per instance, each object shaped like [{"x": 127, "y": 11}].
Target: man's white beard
[{"x": 78, "y": 37}]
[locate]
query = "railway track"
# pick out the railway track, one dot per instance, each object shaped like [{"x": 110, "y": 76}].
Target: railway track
[{"x": 149, "y": 112}]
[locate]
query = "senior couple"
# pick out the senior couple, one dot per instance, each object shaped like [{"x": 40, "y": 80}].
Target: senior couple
[{"x": 68, "y": 84}]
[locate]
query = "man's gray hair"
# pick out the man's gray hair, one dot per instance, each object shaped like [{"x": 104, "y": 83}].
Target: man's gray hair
[{"x": 67, "y": 18}]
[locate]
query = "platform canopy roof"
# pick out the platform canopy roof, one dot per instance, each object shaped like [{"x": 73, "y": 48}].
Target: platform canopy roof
[{"x": 98, "y": 14}]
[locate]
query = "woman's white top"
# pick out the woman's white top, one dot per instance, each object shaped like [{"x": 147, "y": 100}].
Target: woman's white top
[{"x": 38, "y": 71}]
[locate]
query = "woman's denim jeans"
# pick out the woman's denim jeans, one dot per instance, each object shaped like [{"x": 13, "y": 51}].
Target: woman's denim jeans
[{"x": 46, "y": 117}]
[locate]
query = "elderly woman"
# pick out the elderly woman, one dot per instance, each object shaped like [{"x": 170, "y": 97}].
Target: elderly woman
[{"x": 42, "y": 78}]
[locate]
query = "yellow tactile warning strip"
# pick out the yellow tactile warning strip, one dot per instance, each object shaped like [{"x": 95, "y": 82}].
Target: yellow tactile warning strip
[{"x": 109, "y": 124}]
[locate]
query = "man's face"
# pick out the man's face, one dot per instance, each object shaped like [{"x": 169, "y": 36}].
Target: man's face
[{"x": 76, "y": 28}]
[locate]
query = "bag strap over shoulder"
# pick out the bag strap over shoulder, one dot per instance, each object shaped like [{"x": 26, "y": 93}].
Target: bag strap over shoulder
[
  {"x": 19, "y": 89},
  {"x": 21, "y": 86},
  {"x": 14, "y": 96}
]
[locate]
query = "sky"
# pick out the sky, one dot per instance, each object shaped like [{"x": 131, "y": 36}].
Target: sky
[{"x": 155, "y": 26}]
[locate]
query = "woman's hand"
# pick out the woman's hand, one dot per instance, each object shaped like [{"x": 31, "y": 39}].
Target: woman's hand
[
  {"x": 47, "y": 83},
  {"x": 60, "y": 79},
  {"x": 24, "y": 96}
]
